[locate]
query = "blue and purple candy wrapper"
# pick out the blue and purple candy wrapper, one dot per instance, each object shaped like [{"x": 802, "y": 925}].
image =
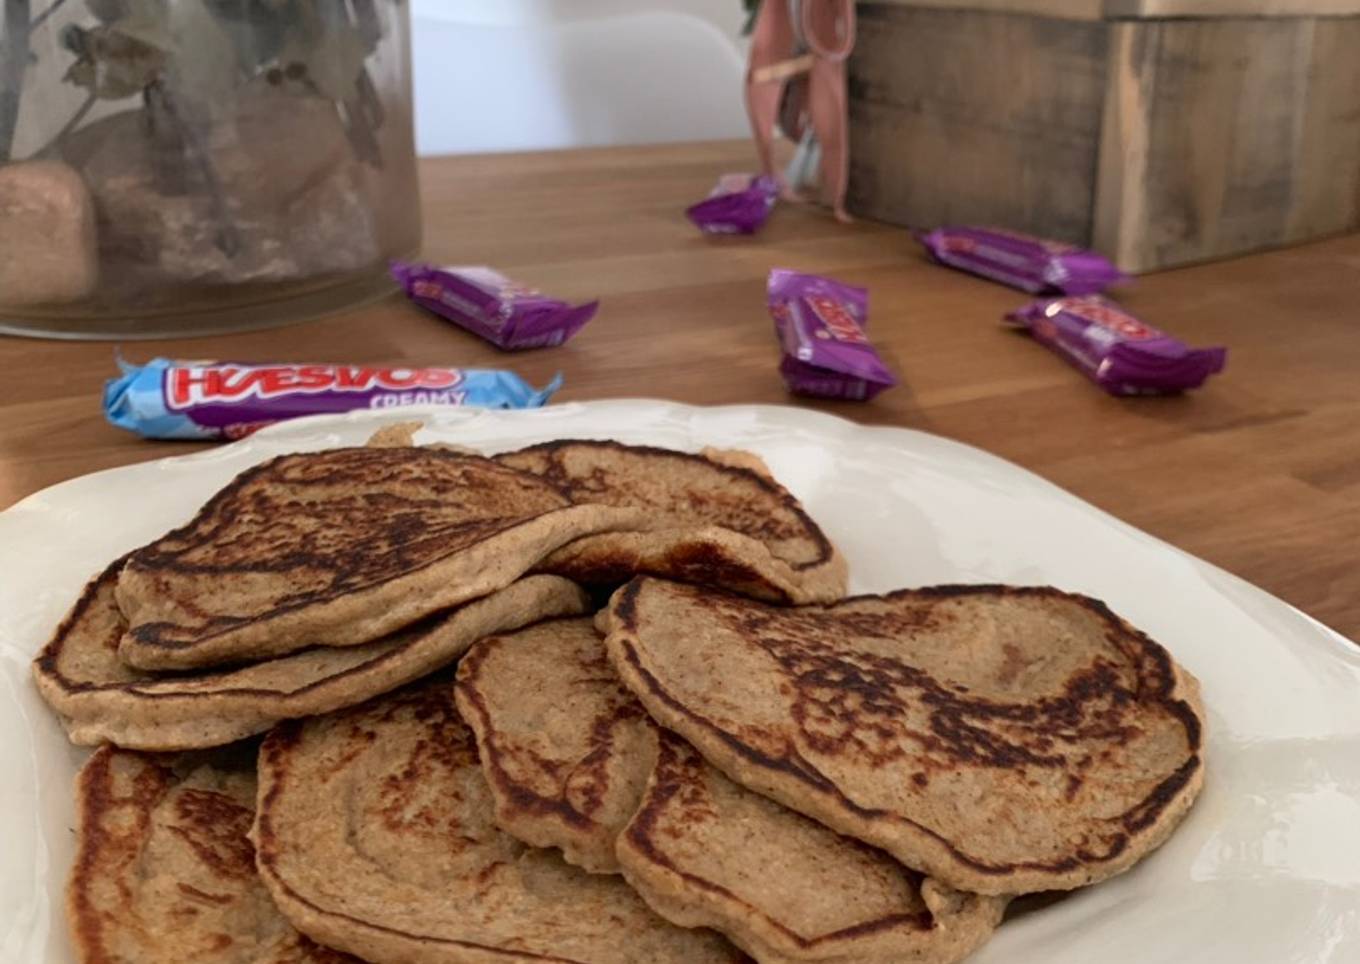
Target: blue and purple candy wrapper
[
  {"x": 223, "y": 400},
  {"x": 820, "y": 324},
  {"x": 509, "y": 315},
  {"x": 1021, "y": 261},
  {"x": 738, "y": 205},
  {"x": 1121, "y": 354}
]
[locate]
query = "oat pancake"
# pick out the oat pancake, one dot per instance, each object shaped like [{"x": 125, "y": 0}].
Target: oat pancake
[
  {"x": 339, "y": 547},
  {"x": 565, "y": 748},
  {"x": 716, "y": 519},
  {"x": 704, "y": 851},
  {"x": 100, "y": 698},
  {"x": 375, "y": 834},
  {"x": 568, "y": 751},
  {"x": 165, "y": 872},
  {"x": 1000, "y": 739}
]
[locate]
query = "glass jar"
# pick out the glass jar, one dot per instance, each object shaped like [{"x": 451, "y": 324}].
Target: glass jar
[{"x": 181, "y": 167}]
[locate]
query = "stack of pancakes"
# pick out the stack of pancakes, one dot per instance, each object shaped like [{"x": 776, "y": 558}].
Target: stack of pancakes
[{"x": 583, "y": 702}]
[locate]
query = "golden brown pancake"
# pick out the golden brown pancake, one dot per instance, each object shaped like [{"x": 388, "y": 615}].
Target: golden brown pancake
[
  {"x": 100, "y": 698},
  {"x": 339, "y": 548},
  {"x": 164, "y": 871},
  {"x": 715, "y": 519},
  {"x": 1000, "y": 739},
  {"x": 565, "y": 748},
  {"x": 375, "y": 834},
  {"x": 705, "y": 852}
]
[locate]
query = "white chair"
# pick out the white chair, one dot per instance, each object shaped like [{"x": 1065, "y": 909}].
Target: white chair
[{"x": 501, "y": 76}]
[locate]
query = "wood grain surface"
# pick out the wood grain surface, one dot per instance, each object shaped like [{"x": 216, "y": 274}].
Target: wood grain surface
[{"x": 1259, "y": 472}]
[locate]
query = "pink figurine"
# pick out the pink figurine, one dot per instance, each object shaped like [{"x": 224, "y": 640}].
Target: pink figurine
[{"x": 806, "y": 42}]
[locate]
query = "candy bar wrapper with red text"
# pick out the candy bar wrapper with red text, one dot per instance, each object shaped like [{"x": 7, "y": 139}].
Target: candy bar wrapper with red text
[
  {"x": 210, "y": 400},
  {"x": 820, "y": 324},
  {"x": 738, "y": 205},
  {"x": 509, "y": 315},
  {"x": 1118, "y": 352},
  {"x": 1021, "y": 261}
]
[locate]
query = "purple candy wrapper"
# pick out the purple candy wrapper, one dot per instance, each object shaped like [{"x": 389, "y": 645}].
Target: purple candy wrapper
[
  {"x": 1021, "y": 261},
  {"x": 485, "y": 302},
  {"x": 820, "y": 323},
  {"x": 217, "y": 400},
  {"x": 738, "y": 205},
  {"x": 1121, "y": 354}
]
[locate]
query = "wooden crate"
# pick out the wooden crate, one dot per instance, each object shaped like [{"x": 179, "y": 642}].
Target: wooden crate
[{"x": 1159, "y": 132}]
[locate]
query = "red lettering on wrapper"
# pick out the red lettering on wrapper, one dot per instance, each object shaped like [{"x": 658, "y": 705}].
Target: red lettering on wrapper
[
  {"x": 352, "y": 379},
  {"x": 181, "y": 384},
  {"x": 191, "y": 385},
  {"x": 1100, "y": 312},
  {"x": 837, "y": 319}
]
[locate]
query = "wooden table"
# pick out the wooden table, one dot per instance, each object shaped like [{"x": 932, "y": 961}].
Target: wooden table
[{"x": 1259, "y": 472}]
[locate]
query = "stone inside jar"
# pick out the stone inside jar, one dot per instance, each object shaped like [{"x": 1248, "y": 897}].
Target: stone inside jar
[{"x": 130, "y": 213}]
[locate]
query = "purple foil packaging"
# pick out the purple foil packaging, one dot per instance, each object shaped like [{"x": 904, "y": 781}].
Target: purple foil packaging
[
  {"x": 1118, "y": 352},
  {"x": 820, "y": 324},
  {"x": 511, "y": 316},
  {"x": 222, "y": 400},
  {"x": 1021, "y": 261},
  {"x": 738, "y": 205}
]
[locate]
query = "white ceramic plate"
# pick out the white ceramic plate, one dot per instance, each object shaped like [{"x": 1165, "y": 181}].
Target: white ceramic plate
[{"x": 1265, "y": 869}]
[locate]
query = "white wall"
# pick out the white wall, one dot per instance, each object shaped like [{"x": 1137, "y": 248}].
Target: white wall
[
  {"x": 726, "y": 15},
  {"x": 494, "y": 75}
]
